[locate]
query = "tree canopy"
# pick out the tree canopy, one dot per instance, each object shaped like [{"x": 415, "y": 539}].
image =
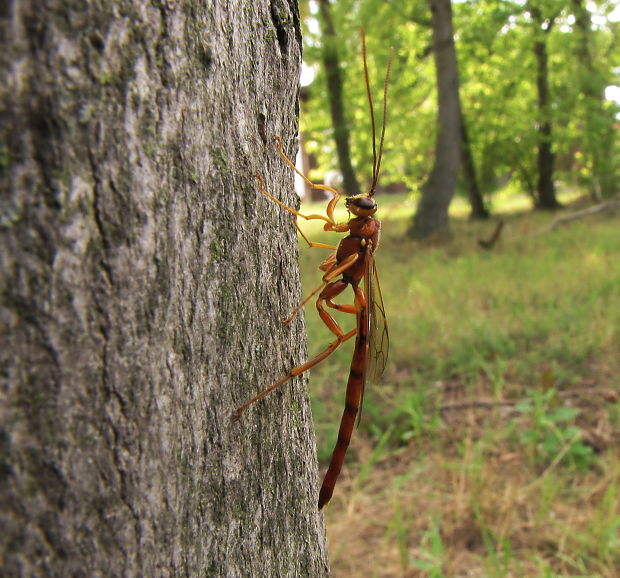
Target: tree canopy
[{"x": 507, "y": 122}]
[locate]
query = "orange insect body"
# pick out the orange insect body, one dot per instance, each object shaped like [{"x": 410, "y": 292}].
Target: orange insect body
[{"x": 351, "y": 262}]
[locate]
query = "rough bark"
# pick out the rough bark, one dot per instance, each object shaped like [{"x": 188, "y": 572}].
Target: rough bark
[
  {"x": 331, "y": 63},
  {"x": 431, "y": 216},
  {"x": 143, "y": 277}
]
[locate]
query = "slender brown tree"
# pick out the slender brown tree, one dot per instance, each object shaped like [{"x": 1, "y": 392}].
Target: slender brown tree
[
  {"x": 600, "y": 136},
  {"x": 143, "y": 277},
  {"x": 476, "y": 201},
  {"x": 545, "y": 197},
  {"x": 333, "y": 73},
  {"x": 431, "y": 217}
]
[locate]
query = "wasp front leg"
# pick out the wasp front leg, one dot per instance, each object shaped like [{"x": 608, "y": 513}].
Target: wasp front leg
[{"x": 332, "y": 273}]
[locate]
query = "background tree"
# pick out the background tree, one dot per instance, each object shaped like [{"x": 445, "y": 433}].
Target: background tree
[
  {"x": 498, "y": 91},
  {"x": 598, "y": 157},
  {"x": 476, "y": 201},
  {"x": 331, "y": 63},
  {"x": 542, "y": 26},
  {"x": 432, "y": 213},
  {"x": 143, "y": 279}
]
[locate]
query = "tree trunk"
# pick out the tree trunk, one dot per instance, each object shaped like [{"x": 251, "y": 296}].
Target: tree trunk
[
  {"x": 431, "y": 217},
  {"x": 546, "y": 187},
  {"x": 143, "y": 279},
  {"x": 600, "y": 148},
  {"x": 546, "y": 158},
  {"x": 476, "y": 202},
  {"x": 331, "y": 62}
]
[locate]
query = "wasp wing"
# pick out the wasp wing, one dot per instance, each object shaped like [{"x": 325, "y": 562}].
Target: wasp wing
[
  {"x": 376, "y": 328},
  {"x": 378, "y": 336}
]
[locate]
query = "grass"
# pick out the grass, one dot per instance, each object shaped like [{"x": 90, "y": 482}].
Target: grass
[{"x": 492, "y": 446}]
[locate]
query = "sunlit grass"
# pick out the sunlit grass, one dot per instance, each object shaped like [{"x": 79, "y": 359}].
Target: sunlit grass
[{"x": 492, "y": 445}]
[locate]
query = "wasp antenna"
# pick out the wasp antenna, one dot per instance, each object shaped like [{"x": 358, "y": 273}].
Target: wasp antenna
[
  {"x": 386, "y": 83},
  {"x": 370, "y": 105},
  {"x": 376, "y": 158}
]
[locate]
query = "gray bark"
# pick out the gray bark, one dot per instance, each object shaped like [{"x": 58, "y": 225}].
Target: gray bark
[
  {"x": 431, "y": 216},
  {"x": 143, "y": 277}
]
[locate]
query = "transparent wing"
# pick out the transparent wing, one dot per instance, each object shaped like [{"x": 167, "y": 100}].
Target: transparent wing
[
  {"x": 376, "y": 329},
  {"x": 378, "y": 337}
]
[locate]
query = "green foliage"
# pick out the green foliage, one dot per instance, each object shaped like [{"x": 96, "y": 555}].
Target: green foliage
[
  {"x": 552, "y": 436},
  {"x": 411, "y": 101},
  {"x": 432, "y": 553},
  {"x": 498, "y": 90}
]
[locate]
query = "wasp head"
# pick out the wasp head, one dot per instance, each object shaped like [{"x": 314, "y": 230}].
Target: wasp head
[{"x": 361, "y": 205}]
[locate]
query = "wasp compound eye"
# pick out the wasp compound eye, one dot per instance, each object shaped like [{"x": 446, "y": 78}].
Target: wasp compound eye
[
  {"x": 365, "y": 203},
  {"x": 361, "y": 203}
]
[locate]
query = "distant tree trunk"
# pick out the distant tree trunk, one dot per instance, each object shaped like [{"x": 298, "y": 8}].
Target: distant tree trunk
[
  {"x": 331, "y": 62},
  {"x": 546, "y": 158},
  {"x": 431, "y": 217},
  {"x": 307, "y": 163},
  {"x": 599, "y": 134},
  {"x": 143, "y": 277},
  {"x": 476, "y": 202}
]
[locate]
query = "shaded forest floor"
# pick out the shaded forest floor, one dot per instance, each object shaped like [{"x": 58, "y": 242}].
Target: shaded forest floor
[{"x": 492, "y": 447}]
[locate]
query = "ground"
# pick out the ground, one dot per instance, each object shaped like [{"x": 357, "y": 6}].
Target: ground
[{"x": 492, "y": 446}]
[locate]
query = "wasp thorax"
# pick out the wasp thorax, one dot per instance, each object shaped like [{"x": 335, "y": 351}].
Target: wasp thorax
[{"x": 361, "y": 205}]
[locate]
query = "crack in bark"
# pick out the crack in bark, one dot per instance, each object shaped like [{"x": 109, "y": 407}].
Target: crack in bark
[{"x": 99, "y": 219}]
